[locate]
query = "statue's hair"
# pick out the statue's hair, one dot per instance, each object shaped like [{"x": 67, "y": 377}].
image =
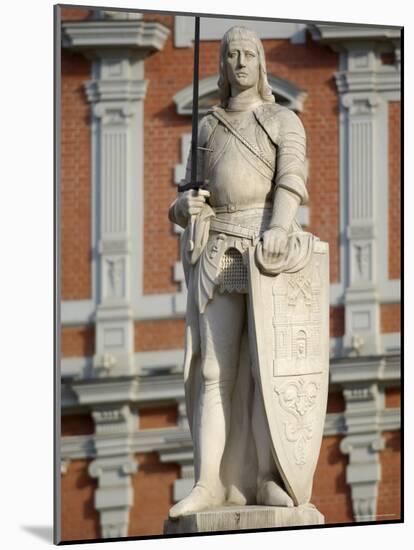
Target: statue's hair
[{"x": 240, "y": 33}]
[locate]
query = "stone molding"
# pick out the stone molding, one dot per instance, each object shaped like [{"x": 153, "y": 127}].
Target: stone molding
[
  {"x": 95, "y": 37},
  {"x": 348, "y": 34},
  {"x": 119, "y": 90},
  {"x": 362, "y": 380},
  {"x": 91, "y": 392},
  {"x": 113, "y": 466},
  {"x": 98, "y": 15},
  {"x": 175, "y": 444},
  {"x": 366, "y": 370}
]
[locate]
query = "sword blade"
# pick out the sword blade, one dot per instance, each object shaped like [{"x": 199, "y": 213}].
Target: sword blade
[{"x": 194, "y": 139}]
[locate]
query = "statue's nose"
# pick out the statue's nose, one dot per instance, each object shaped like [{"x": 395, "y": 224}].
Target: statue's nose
[{"x": 242, "y": 60}]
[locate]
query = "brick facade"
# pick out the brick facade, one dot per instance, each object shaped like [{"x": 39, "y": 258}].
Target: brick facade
[
  {"x": 77, "y": 341},
  {"x": 390, "y": 318},
  {"x": 79, "y": 519},
  {"x": 158, "y": 335},
  {"x": 160, "y": 417},
  {"x": 309, "y": 66},
  {"x": 389, "y": 497},
  {"x": 153, "y": 491},
  {"x": 75, "y": 179},
  {"x": 331, "y": 494},
  {"x": 394, "y": 209}
]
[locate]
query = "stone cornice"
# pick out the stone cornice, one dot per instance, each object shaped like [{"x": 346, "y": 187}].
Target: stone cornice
[
  {"x": 107, "y": 390},
  {"x": 175, "y": 444},
  {"x": 142, "y": 38},
  {"x": 344, "y": 35},
  {"x": 357, "y": 370},
  {"x": 169, "y": 441}
]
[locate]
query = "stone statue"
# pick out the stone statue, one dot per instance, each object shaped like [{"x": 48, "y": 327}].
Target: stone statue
[{"x": 256, "y": 362}]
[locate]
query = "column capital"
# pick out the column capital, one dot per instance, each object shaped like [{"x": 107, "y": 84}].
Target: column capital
[
  {"x": 122, "y": 90},
  {"x": 360, "y": 103}
]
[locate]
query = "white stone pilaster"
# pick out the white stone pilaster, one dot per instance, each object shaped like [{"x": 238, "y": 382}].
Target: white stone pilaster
[
  {"x": 365, "y": 85},
  {"x": 118, "y": 44},
  {"x": 362, "y": 308},
  {"x": 116, "y": 93}
]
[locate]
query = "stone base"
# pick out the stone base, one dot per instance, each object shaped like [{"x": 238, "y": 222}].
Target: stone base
[{"x": 237, "y": 518}]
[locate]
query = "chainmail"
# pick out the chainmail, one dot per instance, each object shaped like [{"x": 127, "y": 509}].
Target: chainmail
[{"x": 232, "y": 275}]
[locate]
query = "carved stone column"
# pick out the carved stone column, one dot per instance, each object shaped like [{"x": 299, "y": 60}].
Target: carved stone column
[
  {"x": 362, "y": 308},
  {"x": 116, "y": 94},
  {"x": 363, "y": 473},
  {"x": 113, "y": 467},
  {"x": 365, "y": 85}
]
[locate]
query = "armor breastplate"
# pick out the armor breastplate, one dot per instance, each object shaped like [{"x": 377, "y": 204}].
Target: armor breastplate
[{"x": 236, "y": 176}]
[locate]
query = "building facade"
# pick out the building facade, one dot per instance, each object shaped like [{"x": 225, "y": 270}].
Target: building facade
[{"x": 125, "y": 127}]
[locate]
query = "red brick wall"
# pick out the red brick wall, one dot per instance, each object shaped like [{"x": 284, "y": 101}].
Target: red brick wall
[
  {"x": 77, "y": 341},
  {"x": 77, "y": 424},
  {"x": 331, "y": 494},
  {"x": 392, "y": 398},
  {"x": 336, "y": 402},
  {"x": 74, "y": 14},
  {"x": 153, "y": 490},
  {"x": 75, "y": 179},
  {"x": 158, "y": 335},
  {"x": 159, "y": 417},
  {"x": 337, "y": 321},
  {"x": 394, "y": 162},
  {"x": 389, "y": 495},
  {"x": 390, "y": 318},
  {"x": 310, "y": 66},
  {"x": 79, "y": 519}
]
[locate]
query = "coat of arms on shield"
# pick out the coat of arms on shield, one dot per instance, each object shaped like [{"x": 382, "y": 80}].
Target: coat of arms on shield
[{"x": 291, "y": 331}]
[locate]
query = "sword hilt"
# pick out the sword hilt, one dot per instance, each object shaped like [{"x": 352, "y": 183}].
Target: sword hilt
[{"x": 193, "y": 185}]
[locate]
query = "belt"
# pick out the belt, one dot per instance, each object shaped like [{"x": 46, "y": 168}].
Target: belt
[
  {"x": 239, "y": 207},
  {"x": 233, "y": 229}
]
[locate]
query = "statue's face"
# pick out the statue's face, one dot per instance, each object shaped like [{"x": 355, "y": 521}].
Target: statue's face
[{"x": 242, "y": 64}]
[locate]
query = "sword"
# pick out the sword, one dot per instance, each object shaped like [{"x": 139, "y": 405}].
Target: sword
[{"x": 194, "y": 184}]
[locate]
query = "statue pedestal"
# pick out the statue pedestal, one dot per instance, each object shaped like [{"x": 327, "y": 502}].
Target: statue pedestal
[{"x": 237, "y": 518}]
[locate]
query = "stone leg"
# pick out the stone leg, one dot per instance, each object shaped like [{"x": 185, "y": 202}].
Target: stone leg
[
  {"x": 270, "y": 490},
  {"x": 221, "y": 327}
]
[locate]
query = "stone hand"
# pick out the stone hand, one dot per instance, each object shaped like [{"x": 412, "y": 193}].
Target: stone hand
[
  {"x": 191, "y": 202},
  {"x": 275, "y": 242}
]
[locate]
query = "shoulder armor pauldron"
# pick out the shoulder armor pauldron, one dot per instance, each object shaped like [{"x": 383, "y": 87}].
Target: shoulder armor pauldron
[{"x": 268, "y": 116}]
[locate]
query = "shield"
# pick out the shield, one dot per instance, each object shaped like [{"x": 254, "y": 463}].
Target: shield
[{"x": 290, "y": 332}]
